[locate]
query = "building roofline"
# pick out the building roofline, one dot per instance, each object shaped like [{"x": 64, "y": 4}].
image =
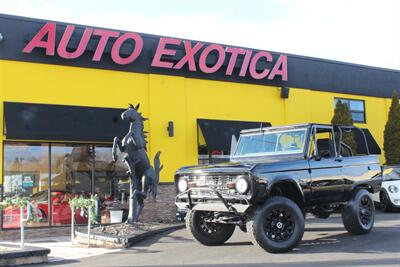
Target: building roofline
[
  {"x": 303, "y": 72},
  {"x": 154, "y": 36}
]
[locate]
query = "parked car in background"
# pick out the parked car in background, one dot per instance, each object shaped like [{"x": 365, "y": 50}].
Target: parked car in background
[
  {"x": 388, "y": 198},
  {"x": 274, "y": 177},
  {"x": 61, "y": 211}
]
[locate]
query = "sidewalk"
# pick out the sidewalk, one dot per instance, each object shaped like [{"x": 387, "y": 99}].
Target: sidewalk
[{"x": 61, "y": 248}]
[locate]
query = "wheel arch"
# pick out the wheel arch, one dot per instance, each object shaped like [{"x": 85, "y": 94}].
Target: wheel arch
[
  {"x": 364, "y": 186},
  {"x": 289, "y": 188},
  {"x": 389, "y": 196},
  {"x": 367, "y": 187}
]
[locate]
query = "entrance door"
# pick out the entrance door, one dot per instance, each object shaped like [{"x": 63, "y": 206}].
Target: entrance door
[{"x": 327, "y": 183}]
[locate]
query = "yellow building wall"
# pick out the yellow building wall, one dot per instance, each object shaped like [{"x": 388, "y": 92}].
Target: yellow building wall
[
  {"x": 170, "y": 98},
  {"x": 168, "y": 103},
  {"x": 1, "y": 119}
]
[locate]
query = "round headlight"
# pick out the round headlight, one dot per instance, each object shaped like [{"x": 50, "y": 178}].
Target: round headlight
[
  {"x": 182, "y": 185},
  {"x": 242, "y": 186},
  {"x": 393, "y": 189}
]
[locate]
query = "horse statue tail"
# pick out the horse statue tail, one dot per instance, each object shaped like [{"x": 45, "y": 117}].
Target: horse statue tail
[{"x": 157, "y": 169}]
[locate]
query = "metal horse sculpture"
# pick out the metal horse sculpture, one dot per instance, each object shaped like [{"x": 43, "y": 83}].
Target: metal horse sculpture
[{"x": 144, "y": 178}]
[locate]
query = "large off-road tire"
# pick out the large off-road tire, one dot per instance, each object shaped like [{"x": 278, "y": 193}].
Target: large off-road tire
[
  {"x": 277, "y": 226},
  {"x": 385, "y": 203},
  {"x": 207, "y": 233},
  {"x": 358, "y": 214}
]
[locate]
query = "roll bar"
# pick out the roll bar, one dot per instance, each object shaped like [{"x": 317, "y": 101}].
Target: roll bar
[{"x": 342, "y": 128}]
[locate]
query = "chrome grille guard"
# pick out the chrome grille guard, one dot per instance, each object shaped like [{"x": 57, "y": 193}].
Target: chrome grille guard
[{"x": 209, "y": 204}]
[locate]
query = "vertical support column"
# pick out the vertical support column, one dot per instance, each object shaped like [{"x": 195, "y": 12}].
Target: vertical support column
[
  {"x": 93, "y": 175},
  {"x": 72, "y": 225},
  {"x": 21, "y": 219},
  {"x": 89, "y": 225},
  {"x": 1, "y": 150},
  {"x": 1, "y": 210},
  {"x": 93, "y": 184},
  {"x": 49, "y": 200}
]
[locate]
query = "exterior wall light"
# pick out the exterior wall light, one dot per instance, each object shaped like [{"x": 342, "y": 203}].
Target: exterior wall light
[
  {"x": 170, "y": 128},
  {"x": 285, "y": 92},
  {"x": 1, "y": 37}
]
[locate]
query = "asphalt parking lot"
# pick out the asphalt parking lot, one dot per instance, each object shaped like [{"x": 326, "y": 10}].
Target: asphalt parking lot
[{"x": 325, "y": 243}]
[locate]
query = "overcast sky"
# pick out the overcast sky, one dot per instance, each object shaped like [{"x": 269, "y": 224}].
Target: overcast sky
[{"x": 363, "y": 32}]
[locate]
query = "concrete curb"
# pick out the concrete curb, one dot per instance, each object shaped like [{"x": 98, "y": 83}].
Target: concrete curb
[
  {"x": 28, "y": 255},
  {"x": 111, "y": 242}
]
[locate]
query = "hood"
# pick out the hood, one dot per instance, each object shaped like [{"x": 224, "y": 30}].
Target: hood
[
  {"x": 254, "y": 165},
  {"x": 227, "y": 167}
]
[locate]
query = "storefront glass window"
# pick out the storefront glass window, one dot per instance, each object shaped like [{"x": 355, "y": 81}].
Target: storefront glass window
[
  {"x": 71, "y": 168},
  {"x": 111, "y": 184},
  {"x": 26, "y": 173}
]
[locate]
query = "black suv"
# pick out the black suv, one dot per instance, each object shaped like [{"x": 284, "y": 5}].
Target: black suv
[{"x": 274, "y": 177}]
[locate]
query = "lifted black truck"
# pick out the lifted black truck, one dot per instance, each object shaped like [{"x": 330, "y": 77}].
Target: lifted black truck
[{"x": 275, "y": 176}]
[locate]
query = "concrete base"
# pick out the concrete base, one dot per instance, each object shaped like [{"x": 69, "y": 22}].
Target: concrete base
[
  {"x": 28, "y": 255},
  {"x": 112, "y": 242}
]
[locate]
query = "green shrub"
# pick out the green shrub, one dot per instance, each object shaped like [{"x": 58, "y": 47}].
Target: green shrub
[{"x": 391, "y": 143}]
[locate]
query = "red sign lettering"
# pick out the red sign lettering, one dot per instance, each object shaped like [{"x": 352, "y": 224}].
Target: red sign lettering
[
  {"x": 104, "y": 36},
  {"x": 62, "y": 46},
  {"x": 166, "y": 49},
  {"x": 253, "y": 64},
  {"x": 161, "y": 50},
  {"x": 280, "y": 68},
  {"x": 134, "y": 54},
  {"x": 245, "y": 64},
  {"x": 232, "y": 61},
  {"x": 189, "y": 57},
  {"x": 203, "y": 58},
  {"x": 48, "y": 29}
]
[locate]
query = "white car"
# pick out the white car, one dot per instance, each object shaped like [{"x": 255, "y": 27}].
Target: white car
[{"x": 389, "y": 196}]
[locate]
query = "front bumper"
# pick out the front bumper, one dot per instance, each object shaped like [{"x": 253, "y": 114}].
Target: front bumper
[
  {"x": 213, "y": 201},
  {"x": 395, "y": 199}
]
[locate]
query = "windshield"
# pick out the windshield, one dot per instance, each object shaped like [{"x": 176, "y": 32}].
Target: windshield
[
  {"x": 391, "y": 174},
  {"x": 271, "y": 143}
]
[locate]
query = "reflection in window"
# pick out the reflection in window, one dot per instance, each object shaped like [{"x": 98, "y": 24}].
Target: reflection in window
[
  {"x": 356, "y": 107},
  {"x": 26, "y": 174},
  {"x": 108, "y": 172},
  {"x": 71, "y": 176},
  {"x": 111, "y": 183}
]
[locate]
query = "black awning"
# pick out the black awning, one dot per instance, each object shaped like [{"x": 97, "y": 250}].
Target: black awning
[
  {"x": 62, "y": 123},
  {"x": 218, "y": 133},
  {"x": 372, "y": 144}
]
